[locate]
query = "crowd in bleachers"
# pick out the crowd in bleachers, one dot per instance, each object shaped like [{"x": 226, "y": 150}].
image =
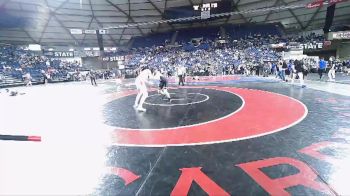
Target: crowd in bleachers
[
  {"x": 248, "y": 47},
  {"x": 243, "y": 51},
  {"x": 247, "y": 54},
  {"x": 312, "y": 37},
  {"x": 21, "y": 64},
  {"x": 252, "y": 54}
]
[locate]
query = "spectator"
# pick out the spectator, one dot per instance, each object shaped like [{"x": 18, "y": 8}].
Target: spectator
[
  {"x": 298, "y": 72},
  {"x": 181, "y": 71},
  {"x": 28, "y": 79},
  {"x": 322, "y": 67},
  {"x": 282, "y": 70},
  {"x": 92, "y": 75},
  {"x": 331, "y": 72}
]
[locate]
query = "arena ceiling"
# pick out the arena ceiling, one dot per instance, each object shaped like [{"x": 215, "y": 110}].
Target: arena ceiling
[{"x": 51, "y": 20}]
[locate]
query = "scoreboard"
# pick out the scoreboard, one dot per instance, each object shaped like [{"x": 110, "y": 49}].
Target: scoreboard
[{"x": 203, "y": 10}]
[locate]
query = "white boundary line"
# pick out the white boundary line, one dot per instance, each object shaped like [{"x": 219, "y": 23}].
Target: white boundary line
[
  {"x": 170, "y": 105},
  {"x": 175, "y": 99},
  {"x": 171, "y": 128},
  {"x": 229, "y": 140}
]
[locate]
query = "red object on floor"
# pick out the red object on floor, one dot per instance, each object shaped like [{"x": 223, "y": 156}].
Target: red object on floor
[
  {"x": 34, "y": 138},
  {"x": 127, "y": 175}
]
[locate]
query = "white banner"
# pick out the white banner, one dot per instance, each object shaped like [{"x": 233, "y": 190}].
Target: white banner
[
  {"x": 279, "y": 45},
  {"x": 205, "y": 14},
  {"x": 76, "y": 31},
  {"x": 222, "y": 41},
  {"x": 341, "y": 35},
  {"x": 313, "y": 46},
  {"x": 87, "y": 31},
  {"x": 34, "y": 47},
  {"x": 59, "y": 54},
  {"x": 113, "y": 58},
  {"x": 102, "y": 31},
  {"x": 307, "y": 46}
]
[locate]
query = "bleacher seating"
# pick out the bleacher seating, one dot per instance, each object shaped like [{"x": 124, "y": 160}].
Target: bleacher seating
[
  {"x": 246, "y": 44},
  {"x": 245, "y": 30},
  {"x": 15, "y": 62},
  {"x": 207, "y": 33},
  {"x": 157, "y": 39}
]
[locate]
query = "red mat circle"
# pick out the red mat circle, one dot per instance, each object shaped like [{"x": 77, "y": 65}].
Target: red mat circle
[{"x": 263, "y": 113}]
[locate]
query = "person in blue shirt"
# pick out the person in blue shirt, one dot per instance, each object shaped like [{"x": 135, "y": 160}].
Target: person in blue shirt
[
  {"x": 322, "y": 67},
  {"x": 274, "y": 69}
]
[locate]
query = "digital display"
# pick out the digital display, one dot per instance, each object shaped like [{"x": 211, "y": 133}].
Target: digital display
[{"x": 196, "y": 10}]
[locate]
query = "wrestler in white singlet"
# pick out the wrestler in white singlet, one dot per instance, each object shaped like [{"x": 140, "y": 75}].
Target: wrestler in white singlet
[{"x": 142, "y": 94}]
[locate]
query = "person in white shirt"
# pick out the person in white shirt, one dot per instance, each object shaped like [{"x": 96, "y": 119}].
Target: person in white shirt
[
  {"x": 28, "y": 79},
  {"x": 181, "y": 71},
  {"x": 45, "y": 76},
  {"x": 184, "y": 70},
  {"x": 331, "y": 72},
  {"x": 140, "y": 83}
]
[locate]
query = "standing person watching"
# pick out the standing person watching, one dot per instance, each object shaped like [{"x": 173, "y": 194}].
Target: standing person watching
[
  {"x": 331, "y": 72},
  {"x": 92, "y": 75},
  {"x": 322, "y": 67},
  {"x": 180, "y": 74},
  {"x": 43, "y": 73},
  {"x": 282, "y": 70},
  {"x": 298, "y": 71}
]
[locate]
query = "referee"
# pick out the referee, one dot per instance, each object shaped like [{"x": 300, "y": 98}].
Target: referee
[{"x": 181, "y": 71}]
